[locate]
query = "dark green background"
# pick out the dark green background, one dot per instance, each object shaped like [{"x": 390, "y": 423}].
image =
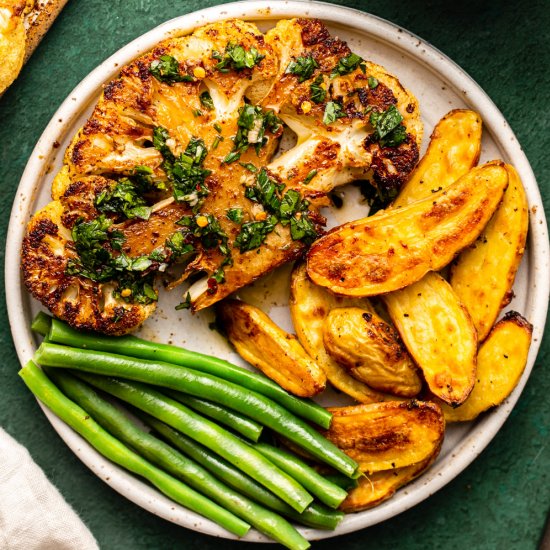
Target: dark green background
[{"x": 500, "y": 501}]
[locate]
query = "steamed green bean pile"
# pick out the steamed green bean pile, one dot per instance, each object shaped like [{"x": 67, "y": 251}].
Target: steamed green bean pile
[{"x": 203, "y": 443}]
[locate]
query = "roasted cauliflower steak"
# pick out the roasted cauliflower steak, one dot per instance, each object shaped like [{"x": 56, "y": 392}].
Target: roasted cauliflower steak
[{"x": 180, "y": 170}]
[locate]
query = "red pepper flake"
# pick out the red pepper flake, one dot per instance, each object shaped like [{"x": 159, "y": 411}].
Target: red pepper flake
[{"x": 212, "y": 285}]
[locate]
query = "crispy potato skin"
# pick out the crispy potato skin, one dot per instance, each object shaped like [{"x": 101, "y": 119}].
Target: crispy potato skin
[
  {"x": 309, "y": 307},
  {"x": 383, "y": 436},
  {"x": 454, "y": 149},
  {"x": 439, "y": 334},
  {"x": 484, "y": 274},
  {"x": 371, "y": 351},
  {"x": 501, "y": 360},
  {"x": 395, "y": 248},
  {"x": 378, "y": 487},
  {"x": 276, "y": 353}
]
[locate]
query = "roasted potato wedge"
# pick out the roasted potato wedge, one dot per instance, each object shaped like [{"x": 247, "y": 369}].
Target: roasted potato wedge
[
  {"x": 500, "y": 363},
  {"x": 454, "y": 149},
  {"x": 371, "y": 351},
  {"x": 484, "y": 274},
  {"x": 397, "y": 247},
  {"x": 374, "y": 489},
  {"x": 309, "y": 307},
  {"x": 439, "y": 334},
  {"x": 276, "y": 353},
  {"x": 383, "y": 436}
]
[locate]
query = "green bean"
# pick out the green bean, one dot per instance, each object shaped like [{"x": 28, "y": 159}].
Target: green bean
[
  {"x": 42, "y": 323},
  {"x": 79, "y": 420},
  {"x": 315, "y": 515},
  {"x": 61, "y": 333},
  {"x": 206, "y": 386},
  {"x": 173, "y": 462},
  {"x": 326, "y": 491},
  {"x": 346, "y": 483},
  {"x": 206, "y": 432},
  {"x": 239, "y": 423}
]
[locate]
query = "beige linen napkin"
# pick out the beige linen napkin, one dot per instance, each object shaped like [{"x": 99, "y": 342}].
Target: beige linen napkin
[{"x": 33, "y": 514}]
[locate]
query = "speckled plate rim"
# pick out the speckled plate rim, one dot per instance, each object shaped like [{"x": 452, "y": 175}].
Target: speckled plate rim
[{"x": 484, "y": 431}]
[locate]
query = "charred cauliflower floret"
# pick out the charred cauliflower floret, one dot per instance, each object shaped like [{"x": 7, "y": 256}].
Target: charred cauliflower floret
[
  {"x": 64, "y": 265},
  {"x": 181, "y": 87},
  {"x": 185, "y": 142},
  {"x": 352, "y": 119}
]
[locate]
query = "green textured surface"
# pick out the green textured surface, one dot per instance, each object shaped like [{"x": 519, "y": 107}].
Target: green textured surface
[{"x": 502, "y": 499}]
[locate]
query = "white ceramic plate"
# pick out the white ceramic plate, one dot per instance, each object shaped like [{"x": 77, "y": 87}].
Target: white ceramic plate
[{"x": 439, "y": 85}]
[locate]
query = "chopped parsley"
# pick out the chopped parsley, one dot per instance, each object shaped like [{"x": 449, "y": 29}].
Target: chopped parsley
[
  {"x": 333, "y": 111},
  {"x": 95, "y": 242},
  {"x": 186, "y": 304},
  {"x": 142, "y": 177},
  {"x": 186, "y": 172},
  {"x": 309, "y": 177},
  {"x": 91, "y": 241},
  {"x": 122, "y": 262},
  {"x": 158, "y": 255},
  {"x": 206, "y": 100},
  {"x": 290, "y": 203},
  {"x": 249, "y": 166},
  {"x": 318, "y": 92},
  {"x": 135, "y": 276},
  {"x": 179, "y": 245},
  {"x": 348, "y": 64},
  {"x": 208, "y": 230},
  {"x": 265, "y": 191},
  {"x": 232, "y": 157},
  {"x": 388, "y": 130},
  {"x": 236, "y": 57},
  {"x": 167, "y": 69},
  {"x": 235, "y": 215},
  {"x": 395, "y": 137},
  {"x": 252, "y": 125},
  {"x": 210, "y": 233},
  {"x": 302, "y": 229},
  {"x": 124, "y": 198},
  {"x": 141, "y": 288},
  {"x": 302, "y": 67},
  {"x": 283, "y": 208},
  {"x": 141, "y": 264},
  {"x": 219, "y": 274},
  {"x": 253, "y": 234},
  {"x": 160, "y": 137},
  {"x": 372, "y": 82}
]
